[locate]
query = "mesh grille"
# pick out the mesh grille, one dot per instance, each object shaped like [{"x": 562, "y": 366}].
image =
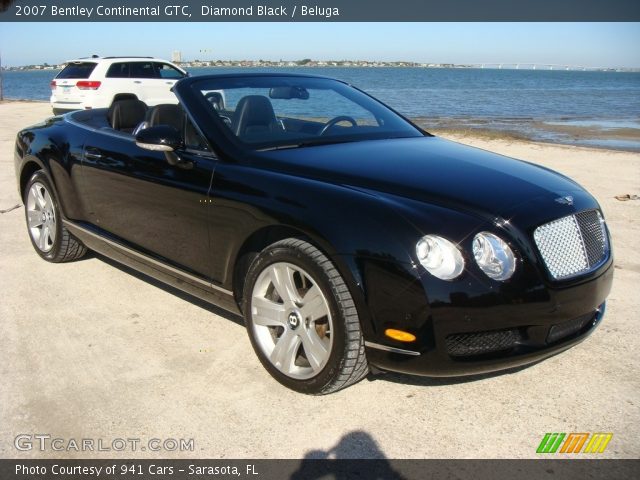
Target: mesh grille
[
  {"x": 593, "y": 235},
  {"x": 478, "y": 343},
  {"x": 573, "y": 244},
  {"x": 562, "y": 330}
]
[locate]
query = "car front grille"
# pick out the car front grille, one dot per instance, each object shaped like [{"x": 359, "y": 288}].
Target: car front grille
[
  {"x": 573, "y": 245},
  {"x": 513, "y": 341},
  {"x": 570, "y": 327},
  {"x": 480, "y": 343}
]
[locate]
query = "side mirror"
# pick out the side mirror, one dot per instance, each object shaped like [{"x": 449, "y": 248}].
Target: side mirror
[{"x": 163, "y": 138}]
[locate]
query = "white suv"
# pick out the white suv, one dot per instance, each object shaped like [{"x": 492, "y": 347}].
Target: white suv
[{"x": 95, "y": 82}]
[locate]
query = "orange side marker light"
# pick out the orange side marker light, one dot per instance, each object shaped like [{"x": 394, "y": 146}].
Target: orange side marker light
[{"x": 399, "y": 335}]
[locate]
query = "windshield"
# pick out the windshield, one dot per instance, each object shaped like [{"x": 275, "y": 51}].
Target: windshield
[{"x": 267, "y": 112}]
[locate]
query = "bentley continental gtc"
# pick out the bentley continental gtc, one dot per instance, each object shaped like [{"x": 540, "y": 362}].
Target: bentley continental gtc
[{"x": 348, "y": 238}]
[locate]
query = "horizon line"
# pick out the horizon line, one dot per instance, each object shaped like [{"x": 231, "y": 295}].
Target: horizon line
[{"x": 310, "y": 63}]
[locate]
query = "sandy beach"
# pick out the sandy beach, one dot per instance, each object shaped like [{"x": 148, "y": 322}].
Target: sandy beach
[{"x": 93, "y": 350}]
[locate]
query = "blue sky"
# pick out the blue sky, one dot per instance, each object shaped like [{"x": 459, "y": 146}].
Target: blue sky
[{"x": 587, "y": 44}]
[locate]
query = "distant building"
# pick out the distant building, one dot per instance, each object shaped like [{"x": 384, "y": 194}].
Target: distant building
[{"x": 176, "y": 56}]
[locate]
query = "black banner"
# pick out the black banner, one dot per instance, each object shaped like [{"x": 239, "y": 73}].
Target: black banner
[
  {"x": 318, "y": 10},
  {"x": 310, "y": 469}
]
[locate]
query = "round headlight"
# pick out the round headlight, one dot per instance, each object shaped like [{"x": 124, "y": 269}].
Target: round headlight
[
  {"x": 440, "y": 257},
  {"x": 493, "y": 256}
]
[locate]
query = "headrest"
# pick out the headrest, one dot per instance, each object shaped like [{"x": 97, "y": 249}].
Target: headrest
[
  {"x": 126, "y": 114},
  {"x": 167, "y": 114},
  {"x": 253, "y": 110}
]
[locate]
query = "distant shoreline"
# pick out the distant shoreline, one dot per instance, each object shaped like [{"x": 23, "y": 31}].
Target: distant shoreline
[{"x": 351, "y": 64}]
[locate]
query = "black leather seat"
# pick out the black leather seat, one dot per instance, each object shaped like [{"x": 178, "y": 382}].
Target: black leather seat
[
  {"x": 167, "y": 114},
  {"x": 254, "y": 115},
  {"x": 174, "y": 116},
  {"x": 125, "y": 115}
]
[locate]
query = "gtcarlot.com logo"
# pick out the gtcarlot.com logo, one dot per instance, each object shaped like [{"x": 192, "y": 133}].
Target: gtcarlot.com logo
[
  {"x": 45, "y": 442},
  {"x": 574, "y": 443}
]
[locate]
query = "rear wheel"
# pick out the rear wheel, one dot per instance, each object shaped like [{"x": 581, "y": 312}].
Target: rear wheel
[
  {"x": 48, "y": 235},
  {"x": 301, "y": 319}
]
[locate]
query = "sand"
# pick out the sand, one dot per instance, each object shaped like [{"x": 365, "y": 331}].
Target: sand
[{"x": 92, "y": 350}]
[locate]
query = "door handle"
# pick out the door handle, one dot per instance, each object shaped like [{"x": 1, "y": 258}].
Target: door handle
[
  {"x": 137, "y": 81},
  {"x": 92, "y": 153}
]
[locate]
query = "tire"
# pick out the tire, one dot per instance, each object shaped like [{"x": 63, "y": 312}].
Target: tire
[
  {"x": 301, "y": 319},
  {"x": 49, "y": 237}
]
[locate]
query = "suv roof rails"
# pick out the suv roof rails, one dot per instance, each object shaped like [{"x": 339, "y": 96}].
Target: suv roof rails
[
  {"x": 98, "y": 57},
  {"x": 133, "y": 56}
]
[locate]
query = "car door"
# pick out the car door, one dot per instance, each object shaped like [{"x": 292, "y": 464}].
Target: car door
[
  {"x": 149, "y": 86},
  {"x": 118, "y": 81},
  {"x": 156, "y": 208},
  {"x": 167, "y": 76}
]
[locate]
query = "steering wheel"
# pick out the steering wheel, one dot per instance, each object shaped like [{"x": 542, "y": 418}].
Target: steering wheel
[{"x": 336, "y": 120}]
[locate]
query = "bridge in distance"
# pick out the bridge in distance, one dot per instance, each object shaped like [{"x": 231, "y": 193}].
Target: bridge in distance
[{"x": 543, "y": 66}]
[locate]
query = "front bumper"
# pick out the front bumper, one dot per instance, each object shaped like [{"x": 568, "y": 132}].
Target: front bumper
[{"x": 465, "y": 338}]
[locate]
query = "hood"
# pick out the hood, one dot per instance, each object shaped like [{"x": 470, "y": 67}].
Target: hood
[{"x": 434, "y": 170}]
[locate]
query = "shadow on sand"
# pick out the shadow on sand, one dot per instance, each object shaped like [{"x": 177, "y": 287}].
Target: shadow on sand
[{"x": 344, "y": 464}]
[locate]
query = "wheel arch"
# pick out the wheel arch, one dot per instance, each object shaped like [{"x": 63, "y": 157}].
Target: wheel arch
[
  {"x": 28, "y": 169},
  {"x": 52, "y": 147},
  {"x": 253, "y": 245},
  {"x": 53, "y": 167},
  {"x": 268, "y": 235}
]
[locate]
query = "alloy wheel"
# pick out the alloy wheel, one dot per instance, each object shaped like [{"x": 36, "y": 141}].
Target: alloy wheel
[
  {"x": 291, "y": 320},
  {"x": 41, "y": 217}
]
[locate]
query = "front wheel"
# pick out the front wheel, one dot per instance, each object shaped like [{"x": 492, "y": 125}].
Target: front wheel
[
  {"x": 302, "y": 320},
  {"x": 48, "y": 235}
]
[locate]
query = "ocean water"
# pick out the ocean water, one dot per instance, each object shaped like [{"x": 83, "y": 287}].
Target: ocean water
[{"x": 575, "y": 107}]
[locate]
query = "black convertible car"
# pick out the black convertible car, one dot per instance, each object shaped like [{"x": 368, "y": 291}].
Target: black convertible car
[{"x": 349, "y": 238}]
